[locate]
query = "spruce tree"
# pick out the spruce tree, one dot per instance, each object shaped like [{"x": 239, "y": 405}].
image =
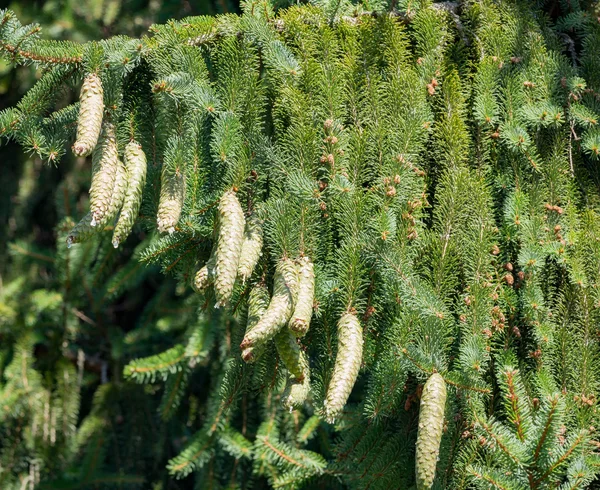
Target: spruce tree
[{"x": 361, "y": 242}]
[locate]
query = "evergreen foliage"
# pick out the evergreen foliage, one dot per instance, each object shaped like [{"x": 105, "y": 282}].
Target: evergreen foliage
[{"x": 418, "y": 181}]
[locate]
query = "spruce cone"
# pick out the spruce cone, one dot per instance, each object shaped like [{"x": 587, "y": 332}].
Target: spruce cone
[
  {"x": 290, "y": 353},
  {"x": 306, "y": 296},
  {"x": 205, "y": 275},
  {"x": 170, "y": 203},
  {"x": 118, "y": 194},
  {"x": 347, "y": 365},
  {"x": 229, "y": 246},
  {"x": 251, "y": 247},
  {"x": 91, "y": 110},
  {"x": 431, "y": 425},
  {"x": 280, "y": 308},
  {"x": 258, "y": 302},
  {"x": 104, "y": 171},
  {"x": 296, "y": 392},
  {"x": 81, "y": 231},
  {"x": 84, "y": 229},
  {"x": 135, "y": 163}
]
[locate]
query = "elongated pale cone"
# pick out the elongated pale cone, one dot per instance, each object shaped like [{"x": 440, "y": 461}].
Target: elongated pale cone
[
  {"x": 105, "y": 161},
  {"x": 84, "y": 229},
  {"x": 347, "y": 365},
  {"x": 229, "y": 246},
  {"x": 251, "y": 247},
  {"x": 258, "y": 302},
  {"x": 285, "y": 289},
  {"x": 91, "y": 111},
  {"x": 135, "y": 164},
  {"x": 170, "y": 202},
  {"x": 431, "y": 426},
  {"x": 303, "y": 310}
]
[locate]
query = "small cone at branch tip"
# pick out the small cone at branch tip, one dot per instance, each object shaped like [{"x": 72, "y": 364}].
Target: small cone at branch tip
[
  {"x": 84, "y": 229},
  {"x": 251, "y": 247},
  {"x": 91, "y": 110},
  {"x": 279, "y": 311},
  {"x": 306, "y": 296},
  {"x": 290, "y": 353},
  {"x": 105, "y": 161},
  {"x": 429, "y": 435},
  {"x": 170, "y": 202},
  {"x": 346, "y": 367},
  {"x": 258, "y": 302},
  {"x": 135, "y": 164},
  {"x": 229, "y": 246}
]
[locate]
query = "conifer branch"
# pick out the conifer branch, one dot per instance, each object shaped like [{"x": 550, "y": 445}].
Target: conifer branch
[
  {"x": 547, "y": 425},
  {"x": 447, "y": 380},
  {"x": 579, "y": 440},
  {"x": 16, "y": 53}
]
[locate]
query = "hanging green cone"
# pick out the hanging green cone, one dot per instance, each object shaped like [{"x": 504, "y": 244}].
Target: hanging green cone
[
  {"x": 296, "y": 361},
  {"x": 91, "y": 110},
  {"x": 229, "y": 246},
  {"x": 296, "y": 392},
  {"x": 290, "y": 352},
  {"x": 280, "y": 308},
  {"x": 347, "y": 365},
  {"x": 431, "y": 425},
  {"x": 135, "y": 164},
  {"x": 82, "y": 231},
  {"x": 258, "y": 302},
  {"x": 306, "y": 296}
]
